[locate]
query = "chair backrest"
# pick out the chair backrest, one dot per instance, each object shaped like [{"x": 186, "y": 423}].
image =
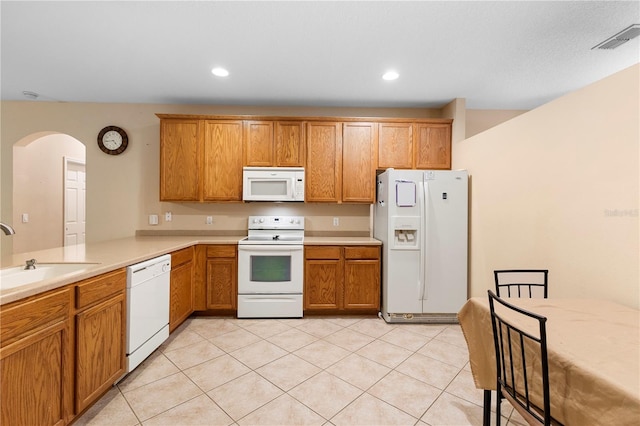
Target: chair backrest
[
  {"x": 522, "y": 282},
  {"x": 520, "y": 342}
]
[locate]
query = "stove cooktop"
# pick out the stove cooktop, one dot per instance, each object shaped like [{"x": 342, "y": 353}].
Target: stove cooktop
[{"x": 274, "y": 230}]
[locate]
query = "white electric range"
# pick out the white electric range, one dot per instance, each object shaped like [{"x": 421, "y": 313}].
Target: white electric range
[{"x": 270, "y": 268}]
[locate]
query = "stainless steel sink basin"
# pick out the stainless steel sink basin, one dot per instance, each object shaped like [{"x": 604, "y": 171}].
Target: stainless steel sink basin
[{"x": 17, "y": 276}]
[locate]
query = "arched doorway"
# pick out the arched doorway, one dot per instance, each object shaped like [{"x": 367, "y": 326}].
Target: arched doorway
[{"x": 43, "y": 163}]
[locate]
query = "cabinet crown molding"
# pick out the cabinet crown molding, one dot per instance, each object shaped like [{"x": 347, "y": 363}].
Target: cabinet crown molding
[{"x": 303, "y": 118}]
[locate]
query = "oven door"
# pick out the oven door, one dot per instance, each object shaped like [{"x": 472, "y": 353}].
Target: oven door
[{"x": 270, "y": 269}]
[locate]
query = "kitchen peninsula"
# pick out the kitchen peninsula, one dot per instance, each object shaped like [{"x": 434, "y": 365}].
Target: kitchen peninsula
[
  {"x": 62, "y": 339},
  {"x": 110, "y": 255}
]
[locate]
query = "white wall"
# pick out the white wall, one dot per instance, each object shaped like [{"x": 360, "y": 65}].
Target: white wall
[{"x": 557, "y": 187}]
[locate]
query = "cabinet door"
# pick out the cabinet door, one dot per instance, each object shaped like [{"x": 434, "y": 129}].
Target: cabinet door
[
  {"x": 395, "y": 146},
  {"x": 362, "y": 284},
  {"x": 258, "y": 143},
  {"x": 181, "y": 297},
  {"x": 359, "y": 146},
  {"x": 31, "y": 378},
  {"x": 323, "y": 173},
  {"x": 222, "y": 291},
  {"x": 222, "y": 161},
  {"x": 289, "y": 144},
  {"x": 36, "y": 360},
  {"x": 100, "y": 349},
  {"x": 432, "y": 146},
  {"x": 180, "y": 160},
  {"x": 323, "y": 277},
  {"x": 323, "y": 284}
]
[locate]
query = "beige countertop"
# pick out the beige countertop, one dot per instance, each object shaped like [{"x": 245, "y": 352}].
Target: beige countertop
[
  {"x": 338, "y": 241},
  {"x": 110, "y": 255}
]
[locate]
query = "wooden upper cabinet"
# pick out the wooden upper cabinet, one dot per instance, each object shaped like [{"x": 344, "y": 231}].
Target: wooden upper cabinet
[
  {"x": 324, "y": 162},
  {"x": 179, "y": 160},
  {"x": 258, "y": 143},
  {"x": 432, "y": 144},
  {"x": 359, "y": 160},
  {"x": 274, "y": 143},
  {"x": 222, "y": 160},
  {"x": 201, "y": 157},
  {"x": 289, "y": 144},
  {"x": 395, "y": 145}
]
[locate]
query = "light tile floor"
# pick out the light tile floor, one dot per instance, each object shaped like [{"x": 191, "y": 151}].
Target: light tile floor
[{"x": 310, "y": 371}]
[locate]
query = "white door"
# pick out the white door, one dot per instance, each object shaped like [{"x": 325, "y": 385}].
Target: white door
[{"x": 74, "y": 201}]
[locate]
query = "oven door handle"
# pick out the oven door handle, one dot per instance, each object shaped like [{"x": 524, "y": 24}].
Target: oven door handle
[{"x": 271, "y": 248}]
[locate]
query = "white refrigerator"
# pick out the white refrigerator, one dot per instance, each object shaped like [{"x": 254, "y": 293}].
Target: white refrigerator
[{"x": 421, "y": 217}]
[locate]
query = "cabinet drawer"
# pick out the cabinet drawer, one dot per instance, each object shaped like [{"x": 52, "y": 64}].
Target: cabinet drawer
[
  {"x": 19, "y": 319},
  {"x": 181, "y": 256},
  {"x": 221, "y": 251},
  {"x": 364, "y": 252},
  {"x": 99, "y": 288},
  {"x": 322, "y": 252}
]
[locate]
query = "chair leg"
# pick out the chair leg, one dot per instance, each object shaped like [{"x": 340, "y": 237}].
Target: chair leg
[
  {"x": 486, "y": 415},
  {"x": 498, "y": 404}
]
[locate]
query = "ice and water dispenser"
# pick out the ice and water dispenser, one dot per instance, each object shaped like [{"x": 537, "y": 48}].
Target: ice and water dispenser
[
  {"x": 405, "y": 228},
  {"x": 405, "y": 232}
]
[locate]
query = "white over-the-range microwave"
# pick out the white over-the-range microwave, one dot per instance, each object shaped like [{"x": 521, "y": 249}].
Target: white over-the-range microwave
[{"x": 273, "y": 184}]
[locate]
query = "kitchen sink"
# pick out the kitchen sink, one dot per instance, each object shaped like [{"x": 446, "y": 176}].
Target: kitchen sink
[{"x": 17, "y": 275}]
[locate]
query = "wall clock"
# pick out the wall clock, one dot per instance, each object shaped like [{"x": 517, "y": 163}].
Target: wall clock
[{"x": 113, "y": 140}]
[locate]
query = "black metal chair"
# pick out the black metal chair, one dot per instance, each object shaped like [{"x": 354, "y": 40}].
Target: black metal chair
[
  {"x": 521, "y": 361},
  {"x": 521, "y": 282}
]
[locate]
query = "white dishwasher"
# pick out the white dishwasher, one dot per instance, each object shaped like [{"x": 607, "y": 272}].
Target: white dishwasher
[{"x": 147, "y": 308}]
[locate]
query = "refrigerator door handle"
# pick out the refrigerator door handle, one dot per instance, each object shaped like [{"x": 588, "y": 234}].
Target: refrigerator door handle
[
  {"x": 422, "y": 274},
  {"x": 423, "y": 240}
]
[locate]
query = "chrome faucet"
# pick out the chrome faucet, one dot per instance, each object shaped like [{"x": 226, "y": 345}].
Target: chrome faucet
[
  {"x": 8, "y": 230},
  {"x": 31, "y": 264}
]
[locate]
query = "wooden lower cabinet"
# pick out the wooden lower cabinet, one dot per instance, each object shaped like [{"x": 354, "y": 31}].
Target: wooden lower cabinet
[
  {"x": 362, "y": 278},
  {"x": 100, "y": 336},
  {"x": 323, "y": 277},
  {"x": 181, "y": 295},
  {"x": 36, "y": 360},
  {"x": 222, "y": 277},
  {"x": 345, "y": 279},
  {"x": 61, "y": 350}
]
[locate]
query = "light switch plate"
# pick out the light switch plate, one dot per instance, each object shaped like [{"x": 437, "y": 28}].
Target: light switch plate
[{"x": 153, "y": 219}]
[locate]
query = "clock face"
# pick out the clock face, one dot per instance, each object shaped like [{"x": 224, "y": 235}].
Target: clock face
[{"x": 113, "y": 140}]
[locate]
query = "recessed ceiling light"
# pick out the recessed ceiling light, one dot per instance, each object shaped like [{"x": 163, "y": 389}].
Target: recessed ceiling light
[
  {"x": 220, "y": 72},
  {"x": 390, "y": 75}
]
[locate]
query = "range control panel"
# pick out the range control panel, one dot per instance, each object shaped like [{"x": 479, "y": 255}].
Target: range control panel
[{"x": 276, "y": 222}]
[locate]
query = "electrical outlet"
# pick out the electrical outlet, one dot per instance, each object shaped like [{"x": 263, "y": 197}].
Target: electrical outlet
[
  {"x": 167, "y": 217},
  {"x": 209, "y": 220},
  {"x": 336, "y": 221}
]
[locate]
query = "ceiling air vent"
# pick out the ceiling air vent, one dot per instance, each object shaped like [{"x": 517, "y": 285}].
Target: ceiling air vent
[{"x": 622, "y": 37}]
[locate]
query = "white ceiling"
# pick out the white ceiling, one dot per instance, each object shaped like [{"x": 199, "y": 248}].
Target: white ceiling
[{"x": 497, "y": 55}]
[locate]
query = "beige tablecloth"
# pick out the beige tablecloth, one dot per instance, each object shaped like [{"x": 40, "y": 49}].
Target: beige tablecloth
[{"x": 594, "y": 357}]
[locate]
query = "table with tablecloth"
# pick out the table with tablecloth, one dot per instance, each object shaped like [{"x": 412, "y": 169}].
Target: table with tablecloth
[{"x": 593, "y": 350}]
